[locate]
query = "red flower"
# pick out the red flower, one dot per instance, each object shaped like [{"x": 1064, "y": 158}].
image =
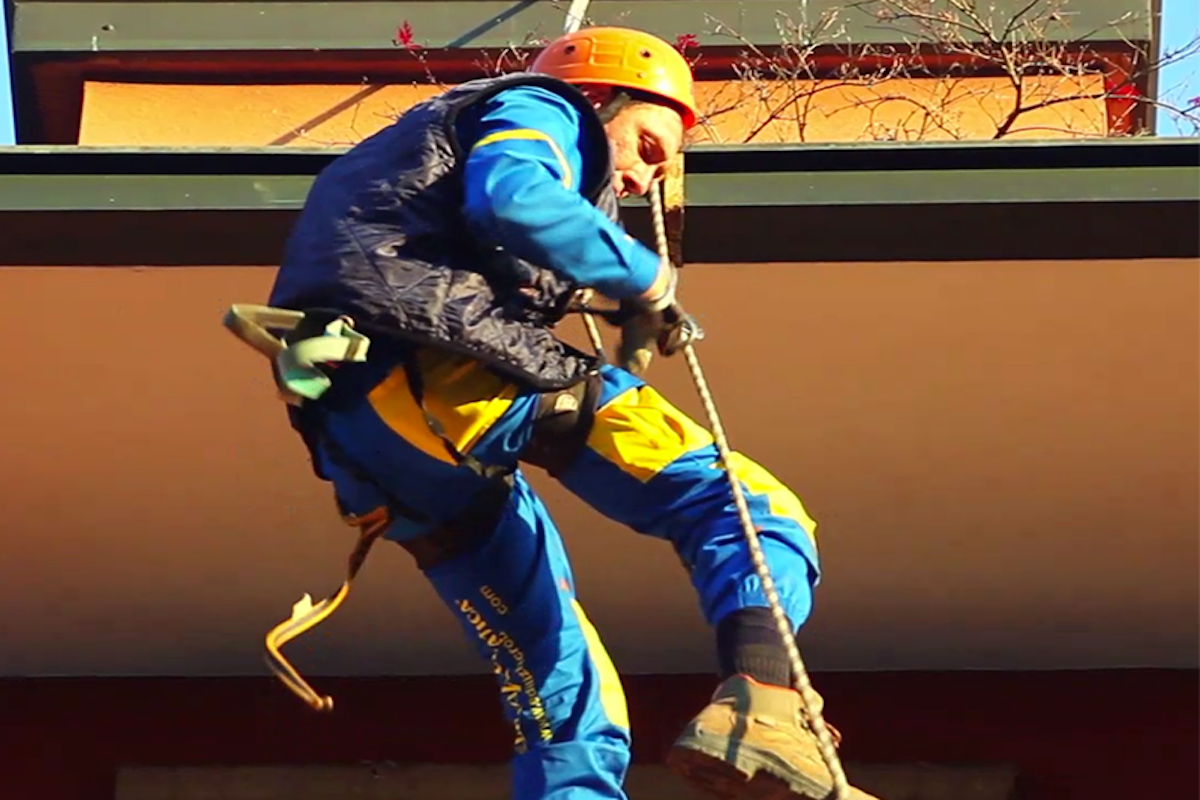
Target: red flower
[
  {"x": 686, "y": 41},
  {"x": 1125, "y": 90},
  {"x": 404, "y": 36},
  {"x": 1194, "y": 103}
]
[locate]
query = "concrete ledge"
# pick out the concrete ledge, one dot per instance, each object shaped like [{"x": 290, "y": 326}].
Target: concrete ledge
[{"x": 490, "y": 782}]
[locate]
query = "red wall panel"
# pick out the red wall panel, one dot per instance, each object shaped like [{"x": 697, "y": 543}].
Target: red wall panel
[{"x": 1074, "y": 735}]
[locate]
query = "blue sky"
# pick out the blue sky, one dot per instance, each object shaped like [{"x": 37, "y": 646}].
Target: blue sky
[
  {"x": 1178, "y": 82},
  {"x": 6, "y": 115}
]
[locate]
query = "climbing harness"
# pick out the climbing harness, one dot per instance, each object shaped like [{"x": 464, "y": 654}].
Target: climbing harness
[
  {"x": 298, "y": 378},
  {"x": 297, "y": 375},
  {"x": 306, "y": 616},
  {"x": 802, "y": 683},
  {"x": 316, "y": 340}
]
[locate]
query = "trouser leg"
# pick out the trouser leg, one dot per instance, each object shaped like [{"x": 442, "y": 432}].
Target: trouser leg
[
  {"x": 513, "y": 593},
  {"x": 649, "y": 466},
  {"x": 515, "y": 598}
]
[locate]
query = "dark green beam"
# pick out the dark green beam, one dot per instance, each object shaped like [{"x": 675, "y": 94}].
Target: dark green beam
[
  {"x": 278, "y": 179},
  {"x": 153, "y": 192},
  {"x": 746, "y": 190},
  {"x": 50, "y": 26}
]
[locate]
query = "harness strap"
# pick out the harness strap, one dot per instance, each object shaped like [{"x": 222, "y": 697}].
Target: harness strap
[
  {"x": 323, "y": 337},
  {"x": 252, "y": 324},
  {"x": 295, "y": 364},
  {"x": 561, "y": 426},
  {"x": 449, "y": 539},
  {"x": 306, "y": 616},
  {"x": 298, "y": 378},
  {"x": 417, "y": 385}
]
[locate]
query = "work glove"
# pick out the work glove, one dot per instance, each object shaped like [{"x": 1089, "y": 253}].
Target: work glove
[{"x": 658, "y": 324}]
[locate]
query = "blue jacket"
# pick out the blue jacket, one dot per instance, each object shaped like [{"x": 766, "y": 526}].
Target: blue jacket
[{"x": 394, "y": 236}]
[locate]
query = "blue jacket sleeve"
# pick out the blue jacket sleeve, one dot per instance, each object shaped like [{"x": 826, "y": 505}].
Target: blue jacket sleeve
[{"x": 522, "y": 192}]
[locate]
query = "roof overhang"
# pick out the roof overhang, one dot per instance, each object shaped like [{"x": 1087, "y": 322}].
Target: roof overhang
[
  {"x": 59, "y": 45},
  {"x": 1108, "y": 198},
  {"x": 124, "y": 26}
]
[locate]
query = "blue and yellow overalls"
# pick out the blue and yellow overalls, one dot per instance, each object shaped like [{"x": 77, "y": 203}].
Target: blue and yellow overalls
[{"x": 644, "y": 464}]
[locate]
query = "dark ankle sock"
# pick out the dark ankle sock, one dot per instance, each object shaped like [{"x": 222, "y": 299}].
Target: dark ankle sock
[{"x": 749, "y": 644}]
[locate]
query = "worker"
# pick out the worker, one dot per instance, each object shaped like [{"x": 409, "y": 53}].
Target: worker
[{"x": 455, "y": 239}]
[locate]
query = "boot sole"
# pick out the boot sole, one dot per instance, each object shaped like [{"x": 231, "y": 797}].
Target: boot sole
[{"x": 741, "y": 772}]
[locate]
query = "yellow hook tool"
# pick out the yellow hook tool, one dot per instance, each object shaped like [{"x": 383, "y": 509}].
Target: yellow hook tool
[{"x": 306, "y": 616}]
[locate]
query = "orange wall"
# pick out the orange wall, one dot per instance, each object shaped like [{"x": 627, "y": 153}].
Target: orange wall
[
  {"x": 147, "y": 114},
  {"x": 1002, "y": 458}
]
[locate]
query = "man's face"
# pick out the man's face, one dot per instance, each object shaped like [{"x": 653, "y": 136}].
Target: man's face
[{"x": 643, "y": 138}]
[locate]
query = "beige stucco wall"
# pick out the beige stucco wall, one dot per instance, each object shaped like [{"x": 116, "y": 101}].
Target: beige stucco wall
[{"x": 1002, "y": 458}]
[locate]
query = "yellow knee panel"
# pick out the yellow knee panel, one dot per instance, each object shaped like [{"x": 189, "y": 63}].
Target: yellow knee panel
[{"x": 641, "y": 433}]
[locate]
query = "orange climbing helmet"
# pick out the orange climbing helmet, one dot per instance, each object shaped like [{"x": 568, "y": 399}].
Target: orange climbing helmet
[{"x": 631, "y": 59}]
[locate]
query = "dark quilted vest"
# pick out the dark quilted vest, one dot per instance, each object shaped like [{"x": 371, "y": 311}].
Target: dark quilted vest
[{"x": 382, "y": 239}]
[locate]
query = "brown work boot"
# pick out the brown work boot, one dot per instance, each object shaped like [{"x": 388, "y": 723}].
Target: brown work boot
[{"x": 752, "y": 741}]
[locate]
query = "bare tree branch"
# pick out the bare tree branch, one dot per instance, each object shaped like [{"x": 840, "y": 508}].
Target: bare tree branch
[
  {"x": 952, "y": 69},
  {"x": 1043, "y": 63}
]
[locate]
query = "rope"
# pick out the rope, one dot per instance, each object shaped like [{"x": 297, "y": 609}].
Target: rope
[
  {"x": 575, "y": 15},
  {"x": 593, "y": 331},
  {"x": 799, "y": 673}
]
